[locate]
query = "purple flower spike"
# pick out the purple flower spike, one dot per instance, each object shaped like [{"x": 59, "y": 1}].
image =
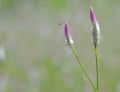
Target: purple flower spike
[
  {"x": 66, "y": 29},
  {"x": 67, "y": 34},
  {"x": 92, "y": 16}
]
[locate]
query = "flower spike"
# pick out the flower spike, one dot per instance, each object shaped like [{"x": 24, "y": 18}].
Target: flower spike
[
  {"x": 96, "y": 28},
  {"x": 67, "y": 34},
  {"x": 66, "y": 29}
]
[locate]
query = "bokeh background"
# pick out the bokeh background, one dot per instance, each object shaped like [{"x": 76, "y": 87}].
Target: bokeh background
[{"x": 33, "y": 54}]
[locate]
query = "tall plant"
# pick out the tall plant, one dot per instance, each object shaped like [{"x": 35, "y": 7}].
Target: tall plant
[{"x": 96, "y": 36}]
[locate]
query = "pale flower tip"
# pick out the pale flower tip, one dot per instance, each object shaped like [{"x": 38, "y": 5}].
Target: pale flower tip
[
  {"x": 92, "y": 15},
  {"x": 66, "y": 29}
]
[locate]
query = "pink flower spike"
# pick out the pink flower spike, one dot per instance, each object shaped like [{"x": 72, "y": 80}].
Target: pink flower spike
[
  {"x": 66, "y": 29},
  {"x": 67, "y": 34},
  {"x": 92, "y": 16}
]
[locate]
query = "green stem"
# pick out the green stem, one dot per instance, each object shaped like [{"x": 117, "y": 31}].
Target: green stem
[
  {"x": 83, "y": 68},
  {"x": 97, "y": 68}
]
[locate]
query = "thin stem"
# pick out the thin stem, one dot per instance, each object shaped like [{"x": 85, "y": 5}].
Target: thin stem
[
  {"x": 97, "y": 68},
  {"x": 83, "y": 68}
]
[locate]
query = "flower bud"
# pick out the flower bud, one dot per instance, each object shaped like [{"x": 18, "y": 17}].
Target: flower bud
[
  {"x": 67, "y": 34},
  {"x": 96, "y": 28},
  {"x": 92, "y": 16},
  {"x": 66, "y": 29}
]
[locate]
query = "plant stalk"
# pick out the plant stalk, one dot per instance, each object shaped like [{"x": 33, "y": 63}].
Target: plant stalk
[
  {"x": 83, "y": 68},
  {"x": 97, "y": 68}
]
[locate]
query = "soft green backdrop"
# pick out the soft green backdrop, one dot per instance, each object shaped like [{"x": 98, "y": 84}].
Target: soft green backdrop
[{"x": 36, "y": 57}]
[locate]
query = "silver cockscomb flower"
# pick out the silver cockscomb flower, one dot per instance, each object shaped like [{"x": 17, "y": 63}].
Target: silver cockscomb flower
[{"x": 96, "y": 28}]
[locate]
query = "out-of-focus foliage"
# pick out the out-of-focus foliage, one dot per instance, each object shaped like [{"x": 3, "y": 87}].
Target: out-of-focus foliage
[{"x": 36, "y": 58}]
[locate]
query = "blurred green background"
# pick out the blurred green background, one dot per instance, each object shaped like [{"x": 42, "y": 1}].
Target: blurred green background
[{"x": 33, "y": 54}]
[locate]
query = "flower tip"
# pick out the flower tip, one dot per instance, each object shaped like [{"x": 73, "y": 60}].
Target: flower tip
[
  {"x": 92, "y": 15},
  {"x": 67, "y": 34},
  {"x": 66, "y": 29}
]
